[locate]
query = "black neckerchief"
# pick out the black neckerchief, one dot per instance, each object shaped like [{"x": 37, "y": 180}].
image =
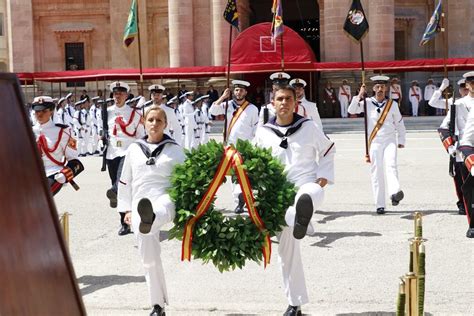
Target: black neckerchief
[
  {"x": 295, "y": 125},
  {"x": 378, "y": 105},
  {"x": 152, "y": 155}
]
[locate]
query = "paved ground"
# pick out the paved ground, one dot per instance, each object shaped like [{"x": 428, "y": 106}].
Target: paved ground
[{"x": 352, "y": 263}]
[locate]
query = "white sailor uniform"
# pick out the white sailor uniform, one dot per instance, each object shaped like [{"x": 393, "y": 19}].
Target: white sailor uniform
[
  {"x": 383, "y": 149},
  {"x": 82, "y": 123},
  {"x": 56, "y": 147},
  {"x": 308, "y": 155},
  {"x": 138, "y": 180},
  {"x": 344, "y": 97},
  {"x": 415, "y": 98},
  {"x": 187, "y": 112}
]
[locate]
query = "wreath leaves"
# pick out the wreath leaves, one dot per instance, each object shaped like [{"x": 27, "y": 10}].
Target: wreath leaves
[{"x": 226, "y": 241}]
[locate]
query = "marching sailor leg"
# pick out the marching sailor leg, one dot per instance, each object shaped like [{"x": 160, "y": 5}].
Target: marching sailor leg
[
  {"x": 162, "y": 210},
  {"x": 377, "y": 175},
  {"x": 391, "y": 171},
  {"x": 289, "y": 254}
]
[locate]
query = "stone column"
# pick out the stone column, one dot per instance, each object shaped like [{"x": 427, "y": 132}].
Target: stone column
[
  {"x": 220, "y": 33},
  {"x": 382, "y": 30},
  {"x": 20, "y": 36},
  {"x": 181, "y": 33},
  {"x": 460, "y": 28},
  {"x": 202, "y": 33},
  {"x": 337, "y": 46}
]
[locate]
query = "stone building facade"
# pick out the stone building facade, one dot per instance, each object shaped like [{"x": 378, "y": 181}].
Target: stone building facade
[{"x": 44, "y": 33}]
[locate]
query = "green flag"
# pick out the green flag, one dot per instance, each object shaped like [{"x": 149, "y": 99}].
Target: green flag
[{"x": 131, "y": 28}]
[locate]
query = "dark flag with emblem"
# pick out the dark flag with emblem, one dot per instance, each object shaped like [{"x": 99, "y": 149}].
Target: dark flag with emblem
[
  {"x": 131, "y": 28},
  {"x": 356, "y": 25},
  {"x": 230, "y": 14},
  {"x": 277, "y": 22},
  {"x": 434, "y": 26}
]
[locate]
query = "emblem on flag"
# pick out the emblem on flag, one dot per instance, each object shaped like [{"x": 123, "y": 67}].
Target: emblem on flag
[
  {"x": 434, "y": 25},
  {"x": 277, "y": 23},
  {"x": 356, "y": 25},
  {"x": 230, "y": 13}
]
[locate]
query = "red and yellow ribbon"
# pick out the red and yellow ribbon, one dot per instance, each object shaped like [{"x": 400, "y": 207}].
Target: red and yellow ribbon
[{"x": 231, "y": 158}]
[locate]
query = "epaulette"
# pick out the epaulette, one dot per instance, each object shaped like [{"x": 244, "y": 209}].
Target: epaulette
[{"x": 62, "y": 125}]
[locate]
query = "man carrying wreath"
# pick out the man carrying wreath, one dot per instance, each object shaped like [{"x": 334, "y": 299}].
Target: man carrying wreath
[{"x": 308, "y": 157}]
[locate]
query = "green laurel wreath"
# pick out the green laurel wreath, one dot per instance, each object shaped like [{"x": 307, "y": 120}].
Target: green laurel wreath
[{"x": 228, "y": 242}]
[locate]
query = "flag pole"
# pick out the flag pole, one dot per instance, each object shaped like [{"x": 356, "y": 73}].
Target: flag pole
[
  {"x": 445, "y": 54},
  {"x": 282, "y": 34},
  {"x": 367, "y": 157},
  {"x": 139, "y": 50},
  {"x": 227, "y": 84}
]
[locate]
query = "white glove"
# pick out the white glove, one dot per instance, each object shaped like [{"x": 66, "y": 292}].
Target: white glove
[
  {"x": 61, "y": 178},
  {"x": 444, "y": 84},
  {"x": 472, "y": 172},
  {"x": 452, "y": 151}
]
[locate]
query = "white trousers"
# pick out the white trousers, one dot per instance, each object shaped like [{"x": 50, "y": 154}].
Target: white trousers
[
  {"x": 383, "y": 155},
  {"x": 414, "y": 107},
  {"x": 83, "y": 142},
  {"x": 289, "y": 254},
  {"x": 150, "y": 249},
  {"x": 188, "y": 136},
  {"x": 344, "y": 105}
]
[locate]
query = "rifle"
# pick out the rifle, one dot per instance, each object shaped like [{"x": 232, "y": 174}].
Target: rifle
[
  {"x": 452, "y": 132},
  {"x": 105, "y": 135}
]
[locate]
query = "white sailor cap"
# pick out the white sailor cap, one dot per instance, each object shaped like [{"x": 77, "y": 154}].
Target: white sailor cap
[
  {"x": 95, "y": 98},
  {"x": 430, "y": 79},
  {"x": 395, "y": 79},
  {"x": 184, "y": 95},
  {"x": 133, "y": 100},
  {"x": 469, "y": 76},
  {"x": 42, "y": 103},
  {"x": 201, "y": 98},
  {"x": 461, "y": 82},
  {"x": 80, "y": 102},
  {"x": 298, "y": 82},
  {"x": 55, "y": 99},
  {"x": 119, "y": 86},
  {"x": 380, "y": 79},
  {"x": 156, "y": 88},
  {"x": 109, "y": 100},
  {"x": 240, "y": 84},
  {"x": 280, "y": 77},
  {"x": 414, "y": 81},
  {"x": 68, "y": 95},
  {"x": 172, "y": 100},
  {"x": 61, "y": 100},
  {"x": 100, "y": 101}
]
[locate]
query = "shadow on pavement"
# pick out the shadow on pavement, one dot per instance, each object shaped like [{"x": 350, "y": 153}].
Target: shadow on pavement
[
  {"x": 329, "y": 238},
  {"x": 331, "y": 216},
  {"x": 93, "y": 283},
  {"x": 375, "y": 314}
]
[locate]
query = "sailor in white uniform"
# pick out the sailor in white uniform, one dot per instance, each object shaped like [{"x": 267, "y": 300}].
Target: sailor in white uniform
[
  {"x": 450, "y": 136},
  {"x": 242, "y": 120},
  {"x": 56, "y": 146},
  {"x": 304, "y": 107},
  {"x": 267, "y": 111},
  {"x": 143, "y": 197},
  {"x": 82, "y": 125},
  {"x": 344, "y": 97},
  {"x": 466, "y": 146},
  {"x": 308, "y": 157},
  {"x": 187, "y": 113},
  {"x": 124, "y": 127},
  {"x": 415, "y": 97},
  {"x": 384, "y": 122}
]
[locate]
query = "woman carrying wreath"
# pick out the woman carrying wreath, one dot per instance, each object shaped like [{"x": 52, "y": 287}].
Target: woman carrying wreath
[
  {"x": 308, "y": 157},
  {"x": 143, "y": 197}
]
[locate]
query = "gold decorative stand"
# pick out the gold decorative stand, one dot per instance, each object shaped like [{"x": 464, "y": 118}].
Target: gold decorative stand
[{"x": 64, "y": 221}]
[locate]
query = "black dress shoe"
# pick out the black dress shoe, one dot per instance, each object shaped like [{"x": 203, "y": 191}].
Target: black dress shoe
[
  {"x": 112, "y": 196},
  {"x": 461, "y": 209},
  {"x": 158, "y": 311},
  {"x": 124, "y": 230},
  {"x": 293, "y": 311},
  {"x": 239, "y": 209},
  {"x": 147, "y": 216},
  {"x": 380, "y": 210},
  {"x": 397, "y": 197},
  {"x": 470, "y": 233},
  {"x": 304, "y": 212}
]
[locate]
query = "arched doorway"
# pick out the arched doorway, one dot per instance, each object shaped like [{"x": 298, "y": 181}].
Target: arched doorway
[{"x": 301, "y": 15}]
